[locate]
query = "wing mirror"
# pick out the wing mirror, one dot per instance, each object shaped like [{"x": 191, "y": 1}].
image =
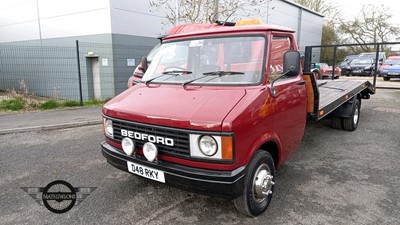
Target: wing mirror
[
  {"x": 291, "y": 67},
  {"x": 291, "y": 63}
]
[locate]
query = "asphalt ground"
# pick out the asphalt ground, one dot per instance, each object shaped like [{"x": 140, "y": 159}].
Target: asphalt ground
[
  {"x": 336, "y": 177},
  {"x": 49, "y": 120}
]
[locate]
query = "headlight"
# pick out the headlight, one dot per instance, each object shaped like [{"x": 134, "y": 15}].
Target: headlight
[
  {"x": 348, "y": 67},
  {"x": 212, "y": 147},
  {"x": 367, "y": 67},
  {"x": 208, "y": 146},
  {"x": 108, "y": 128}
]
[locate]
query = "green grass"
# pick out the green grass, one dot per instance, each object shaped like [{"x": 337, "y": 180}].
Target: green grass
[
  {"x": 12, "y": 104},
  {"x": 94, "y": 102},
  {"x": 19, "y": 103},
  {"x": 53, "y": 104},
  {"x": 50, "y": 104},
  {"x": 71, "y": 103}
]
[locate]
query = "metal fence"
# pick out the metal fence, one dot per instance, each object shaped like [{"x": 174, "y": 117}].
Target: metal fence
[
  {"x": 386, "y": 48},
  {"x": 98, "y": 71},
  {"x": 84, "y": 72}
]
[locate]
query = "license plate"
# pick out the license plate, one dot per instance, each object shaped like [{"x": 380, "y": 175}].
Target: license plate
[
  {"x": 393, "y": 73},
  {"x": 357, "y": 71},
  {"x": 147, "y": 172}
]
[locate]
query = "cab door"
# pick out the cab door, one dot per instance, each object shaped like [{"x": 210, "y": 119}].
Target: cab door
[{"x": 290, "y": 101}]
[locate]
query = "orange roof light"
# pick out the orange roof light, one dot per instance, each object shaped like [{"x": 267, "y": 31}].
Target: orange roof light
[{"x": 248, "y": 22}]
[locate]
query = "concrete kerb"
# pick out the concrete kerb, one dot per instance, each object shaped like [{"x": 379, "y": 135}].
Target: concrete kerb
[{"x": 50, "y": 127}]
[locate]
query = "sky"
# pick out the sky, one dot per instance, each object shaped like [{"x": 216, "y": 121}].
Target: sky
[{"x": 351, "y": 8}]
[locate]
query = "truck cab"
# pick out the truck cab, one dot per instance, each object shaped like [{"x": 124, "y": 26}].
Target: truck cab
[{"x": 204, "y": 113}]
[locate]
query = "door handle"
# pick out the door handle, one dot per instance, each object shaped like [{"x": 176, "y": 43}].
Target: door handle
[{"x": 303, "y": 82}]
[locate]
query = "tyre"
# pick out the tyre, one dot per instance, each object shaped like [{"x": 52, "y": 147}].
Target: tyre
[
  {"x": 386, "y": 78},
  {"x": 258, "y": 185},
  {"x": 336, "y": 123},
  {"x": 317, "y": 74},
  {"x": 351, "y": 123}
]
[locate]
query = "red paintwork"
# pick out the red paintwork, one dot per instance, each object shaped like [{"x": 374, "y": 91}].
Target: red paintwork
[
  {"x": 187, "y": 28},
  {"x": 250, "y": 112}
]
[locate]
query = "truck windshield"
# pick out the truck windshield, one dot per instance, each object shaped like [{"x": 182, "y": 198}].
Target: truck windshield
[{"x": 224, "y": 58}]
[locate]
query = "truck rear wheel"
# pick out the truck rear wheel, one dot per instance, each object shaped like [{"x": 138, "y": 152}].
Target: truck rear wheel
[
  {"x": 336, "y": 123},
  {"x": 258, "y": 186},
  {"x": 351, "y": 123}
]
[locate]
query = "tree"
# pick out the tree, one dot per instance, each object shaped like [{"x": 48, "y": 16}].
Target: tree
[
  {"x": 371, "y": 26},
  {"x": 323, "y": 7},
  {"x": 203, "y": 11},
  {"x": 329, "y": 37}
]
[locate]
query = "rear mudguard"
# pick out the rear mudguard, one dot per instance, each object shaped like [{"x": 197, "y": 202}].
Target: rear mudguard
[{"x": 346, "y": 110}]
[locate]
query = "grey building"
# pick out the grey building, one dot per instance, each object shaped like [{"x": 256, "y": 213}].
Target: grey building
[
  {"x": 37, "y": 42},
  {"x": 307, "y": 23}
]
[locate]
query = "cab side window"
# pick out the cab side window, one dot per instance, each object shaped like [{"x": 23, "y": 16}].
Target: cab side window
[{"x": 279, "y": 45}]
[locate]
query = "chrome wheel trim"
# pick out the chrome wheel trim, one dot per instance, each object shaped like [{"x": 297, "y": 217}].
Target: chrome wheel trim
[
  {"x": 355, "y": 117},
  {"x": 262, "y": 183}
]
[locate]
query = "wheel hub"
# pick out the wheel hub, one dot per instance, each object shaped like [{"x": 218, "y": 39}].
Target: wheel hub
[
  {"x": 355, "y": 117},
  {"x": 263, "y": 183}
]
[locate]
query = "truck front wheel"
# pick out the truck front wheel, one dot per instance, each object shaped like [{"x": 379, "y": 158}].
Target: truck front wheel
[{"x": 258, "y": 186}]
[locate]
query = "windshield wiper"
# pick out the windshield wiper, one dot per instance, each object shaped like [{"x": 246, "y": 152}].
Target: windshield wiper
[
  {"x": 219, "y": 73},
  {"x": 177, "y": 71},
  {"x": 173, "y": 72},
  {"x": 223, "y": 73}
]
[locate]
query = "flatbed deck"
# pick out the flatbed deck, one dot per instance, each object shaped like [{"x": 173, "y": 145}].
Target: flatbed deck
[{"x": 333, "y": 93}]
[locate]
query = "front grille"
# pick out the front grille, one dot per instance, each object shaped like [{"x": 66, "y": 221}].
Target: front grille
[{"x": 181, "y": 138}]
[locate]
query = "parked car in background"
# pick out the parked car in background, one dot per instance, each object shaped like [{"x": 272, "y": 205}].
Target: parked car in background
[
  {"x": 345, "y": 64},
  {"x": 323, "y": 70},
  {"x": 390, "y": 68},
  {"x": 362, "y": 66},
  {"x": 381, "y": 57},
  {"x": 326, "y": 70}
]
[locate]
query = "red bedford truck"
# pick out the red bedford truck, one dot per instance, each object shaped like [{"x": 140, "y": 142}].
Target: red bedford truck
[{"x": 224, "y": 117}]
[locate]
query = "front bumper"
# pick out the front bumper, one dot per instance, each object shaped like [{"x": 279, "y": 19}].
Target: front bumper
[
  {"x": 227, "y": 184},
  {"x": 391, "y": 75}
]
